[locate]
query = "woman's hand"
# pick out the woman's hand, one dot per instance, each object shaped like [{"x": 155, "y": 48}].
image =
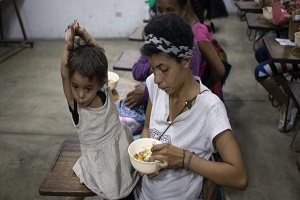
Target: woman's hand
[{"x": 170, "y": 156}]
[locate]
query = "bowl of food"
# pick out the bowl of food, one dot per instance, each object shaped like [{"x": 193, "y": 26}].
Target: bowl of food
[
  {"x": 267, "y": 13},
  {"x": 113, "y": 79},
  {"x": 297, "y": 39},
  {"x": 140, "y": 153}
]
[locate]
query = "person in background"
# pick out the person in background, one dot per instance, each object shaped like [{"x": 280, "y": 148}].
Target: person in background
[
  {"x": 187, "y": 117},
  {"x": 270, "y": 75},
  {"x": 212, "y": 70},
  {"x": 281, "y": 14},
  {"x": 104, "y": 166}
]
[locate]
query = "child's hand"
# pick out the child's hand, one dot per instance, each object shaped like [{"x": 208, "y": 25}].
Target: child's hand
[
  {"x": 69, "y": 37},
  {"x": 79, "y": 30}
]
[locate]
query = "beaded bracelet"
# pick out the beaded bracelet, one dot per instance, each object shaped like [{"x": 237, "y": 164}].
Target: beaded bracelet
[
  {"x": 189, "y": 160},
  {"x": 183, "y": 157}
]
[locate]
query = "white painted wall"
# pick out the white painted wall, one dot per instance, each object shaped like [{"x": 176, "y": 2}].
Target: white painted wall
[
  {"x": 47, "y": 19},
  {"x": 231, "y": 8}
]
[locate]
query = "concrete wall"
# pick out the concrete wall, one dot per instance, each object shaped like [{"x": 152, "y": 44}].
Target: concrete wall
[{"x": 47, "y": 19}]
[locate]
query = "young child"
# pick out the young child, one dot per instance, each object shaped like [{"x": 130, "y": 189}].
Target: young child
[{"x": 104, "y": 166}]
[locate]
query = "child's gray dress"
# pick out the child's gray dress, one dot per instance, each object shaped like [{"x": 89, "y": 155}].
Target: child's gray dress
[{"x": 104, "y": 166}]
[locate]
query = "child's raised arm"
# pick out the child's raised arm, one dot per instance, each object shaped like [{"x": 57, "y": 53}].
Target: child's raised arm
[
  {"x": 82, "y": 33},
  {"x": 69, "y": 44}
]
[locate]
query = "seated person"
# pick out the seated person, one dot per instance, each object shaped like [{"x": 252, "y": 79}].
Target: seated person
[
  {"x": 187, "y": 117},
  {"x": 269, "y": 74},
  {"x": 281, "y": 12}
]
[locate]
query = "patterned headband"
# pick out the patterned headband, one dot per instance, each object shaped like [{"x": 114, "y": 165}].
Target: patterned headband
[{"x": 167, "y": 47}]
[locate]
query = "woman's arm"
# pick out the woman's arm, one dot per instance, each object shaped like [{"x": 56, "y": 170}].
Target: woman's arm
[
  {"x": 141, "y": 69},
  {"x": 213, "y": 61},
  {"x": 231, "y": 171}
]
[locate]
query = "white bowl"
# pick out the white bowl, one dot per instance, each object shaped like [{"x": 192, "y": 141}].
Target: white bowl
[
  {"x": 138, "y": 146},
  {"x": 297, "y": 39},
  {"x": 267, "y": 13},
  {"x": 113, "y": 79}
]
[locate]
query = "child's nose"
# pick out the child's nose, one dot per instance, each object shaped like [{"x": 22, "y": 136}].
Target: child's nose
[{"x": 81, "y": 95}]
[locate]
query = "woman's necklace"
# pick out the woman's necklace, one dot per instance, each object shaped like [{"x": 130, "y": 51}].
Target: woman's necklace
[{"x": 187, "y": 104}]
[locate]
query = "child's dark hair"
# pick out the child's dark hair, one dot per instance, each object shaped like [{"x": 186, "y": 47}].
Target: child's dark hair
[
  {"x": 171, "y": 27},
  {"x": 199, "y": 7},
  {"x": 89, "y": 61}
]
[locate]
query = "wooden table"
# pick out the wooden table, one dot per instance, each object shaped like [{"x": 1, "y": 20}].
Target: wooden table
[
  {"x": 123, "y": 88},
  {"x": 247, "y": 7},
  {"x": 127, "y": 59},
  {"x": 60, "y": 179},
  {"x": 280, "y": 53},
  {"x": 257, "y": 22}
]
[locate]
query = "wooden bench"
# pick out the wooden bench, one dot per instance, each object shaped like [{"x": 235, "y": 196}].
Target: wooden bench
[
  {"x": 294, "y": 92},
  {"x": 60, "y": 180},
  {"x": 126, "y": 60},
  {"x": 137, "y": 34}
]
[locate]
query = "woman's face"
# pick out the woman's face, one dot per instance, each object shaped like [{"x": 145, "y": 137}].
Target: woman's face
[
  {"x": 168, "y": 74},
  {"x": 167, "y": 6}
]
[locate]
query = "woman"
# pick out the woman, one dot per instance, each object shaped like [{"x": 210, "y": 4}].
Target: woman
[{"x": 184, "y": 114}]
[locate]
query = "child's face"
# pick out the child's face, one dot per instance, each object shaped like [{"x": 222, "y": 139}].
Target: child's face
[
  {"x": 84, "y": 90},
  {"x": 167, "y": 6}
]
